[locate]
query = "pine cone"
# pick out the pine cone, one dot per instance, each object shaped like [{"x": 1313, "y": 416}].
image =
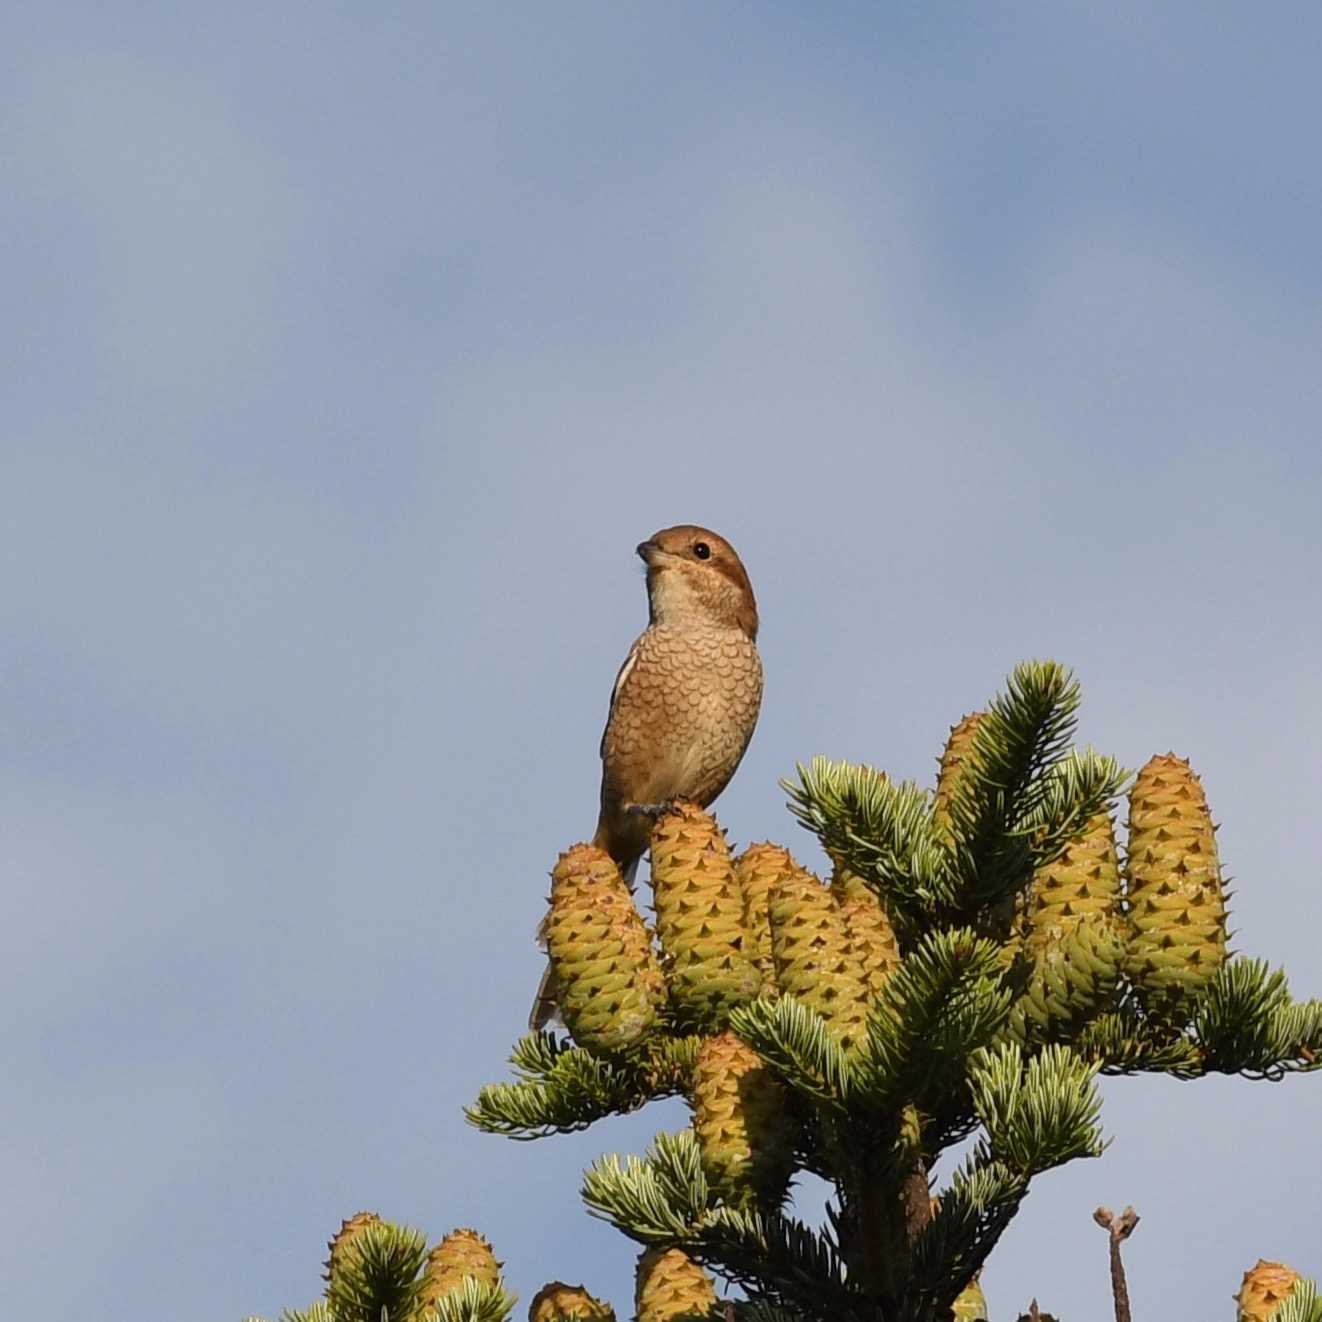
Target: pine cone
[
  {"x": 349, "y": 1228},
  {"x": 608, "y": 984},
  {"x": 461, "y": 1254},
  {"x": 1075, "y": 936},
  {"x": 1177, "y": 911},
  {"x": 814, "y": 958},
  {"x": 1267, "y": 1285},
  {"x": 739, "y": 1114},
  {"x": 871, "y": 936},
  {"x": 758, "y": 869},
  {"x": 954, "y": 766},
  {"x": 558, "y": 1302},
  {"x": 671, "y": 1287},
  {"x": 700, "y": 919}
]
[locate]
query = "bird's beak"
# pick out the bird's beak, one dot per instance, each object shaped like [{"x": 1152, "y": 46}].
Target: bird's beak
[{"x": 646, "y": 550}]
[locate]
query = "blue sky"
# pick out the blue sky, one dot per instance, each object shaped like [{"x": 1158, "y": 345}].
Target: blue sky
[{"x": 349, "y": 352}]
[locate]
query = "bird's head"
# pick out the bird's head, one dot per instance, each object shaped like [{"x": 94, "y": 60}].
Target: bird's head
[{"x": 694, "y": 571}]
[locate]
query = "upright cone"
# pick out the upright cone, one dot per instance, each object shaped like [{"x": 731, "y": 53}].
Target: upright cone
[
  {"x": 743, "y": 1126},
  {"x": 757, "y": 870},
  {"x": 815, "y": 962},
  {"x": 671, "y": 1287},
  {"x": 608, "y": 984},
  {"x": 1074, "y": 935},
  {"x": 700, "y": 919},
  {"x": 954, "y": 766},
  {"x": 349, "y": 1230},
  {"x": 1266, "y": 1286},
  {"x": 558, "y": 1302},
  {"x": 871, "y": 936},
  {"x": 1177, "y": 911},
  {"x": 463, "y": 1253}
]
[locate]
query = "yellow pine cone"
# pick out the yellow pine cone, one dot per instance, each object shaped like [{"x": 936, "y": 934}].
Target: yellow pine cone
[
  {"x": 954, "y": 764},
  {"x": 740, "y": 1117},
  {"x": 1177, "y": 910},
  {"x": 1075, "y": 936},
  {"x": 608, "y": 984},
  {"x": 700, "y": 918},
  {"x": 1266, "y": 1287},
  {"x": 871, "y": 936},
  {"x": 757, "y": 870},
  {"x": 349, "y": 1228},
  {"x": 814, "y": 958},
  {"x": 558, "y": 1302},
  {"x": 970, "y": 1304},
  {"x": 670, "y": 1286},
  {"x": 461, "y": 1254}
]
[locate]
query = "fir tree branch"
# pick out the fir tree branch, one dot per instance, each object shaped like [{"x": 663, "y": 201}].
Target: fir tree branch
[
  {"x": 1004, "y": 788},
  {"x": 472, "y": 1301},
  {"x": 973, "y": 1214},
  {"x": 1123, "y": 1043},
  {"x": 378, "y": 1270},
  {"x": 1038, "y": 1113},
  {"x": 1246, "y": 1023},
  {"x": 794, "y": 1040},
  {"x": 943, "y": 1001},
  {"x": 1303, "y": 1305},
  {"x": 656, "y": 1199},
  {"x": 568, "y": 1088},
  {"x": 881, "y": 830}
]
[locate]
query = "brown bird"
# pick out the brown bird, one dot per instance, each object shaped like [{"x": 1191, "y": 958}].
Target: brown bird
[{"x": 685, "y": 701}]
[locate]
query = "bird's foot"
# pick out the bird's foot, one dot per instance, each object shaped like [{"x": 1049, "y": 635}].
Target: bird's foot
[{"x": 652, "y": 810}]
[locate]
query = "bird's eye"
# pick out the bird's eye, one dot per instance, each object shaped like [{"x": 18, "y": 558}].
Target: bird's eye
[{"x": 702, "y": 550}]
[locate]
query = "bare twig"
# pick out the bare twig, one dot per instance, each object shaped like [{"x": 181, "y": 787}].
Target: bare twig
[{"x": 1118, "y": 1228}]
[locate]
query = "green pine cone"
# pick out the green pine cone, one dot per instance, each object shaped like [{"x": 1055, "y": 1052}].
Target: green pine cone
[
  {"x": 700, "y": 919},
  {"x": 758, "y": 869},
  {"x": 558, "y": 1302},
  {"x": 1074, "y": 935},
  {"x": 608, "y": 984},
  {"x": 1177, "y": 910},
  {"x": 743, "y": 1127},
  {"x": 815, "y": 961},
  {"x": 871, "y": 937},
  {"x": 671, "y": 1287}
]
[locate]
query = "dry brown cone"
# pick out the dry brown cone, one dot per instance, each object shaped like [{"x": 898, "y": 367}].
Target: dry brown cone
[
  {"x": 670, "y": 1286},
  {"x": 1266, "y": 1287},
  {"x": 607, "y": 981},
  {"x": 700, "y": 918},
  {"x": 758, "y": 869},
  {"x": 954, "y": 763},
  {"x": 461, "y": 1254},
  {"x": 349, "y": 1228},
  {"x": 744, "y": 1131},
  {"x": 558, "y": 1302},
  {"x": 871, "y": 936},
  {"x": 815, "y": 962}
]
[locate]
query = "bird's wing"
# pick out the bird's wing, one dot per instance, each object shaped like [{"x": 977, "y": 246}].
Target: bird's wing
[{"x": 629, "y": 662}]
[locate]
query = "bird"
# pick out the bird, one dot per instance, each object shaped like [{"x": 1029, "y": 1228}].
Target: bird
[{"x": 685, "y": 701}]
